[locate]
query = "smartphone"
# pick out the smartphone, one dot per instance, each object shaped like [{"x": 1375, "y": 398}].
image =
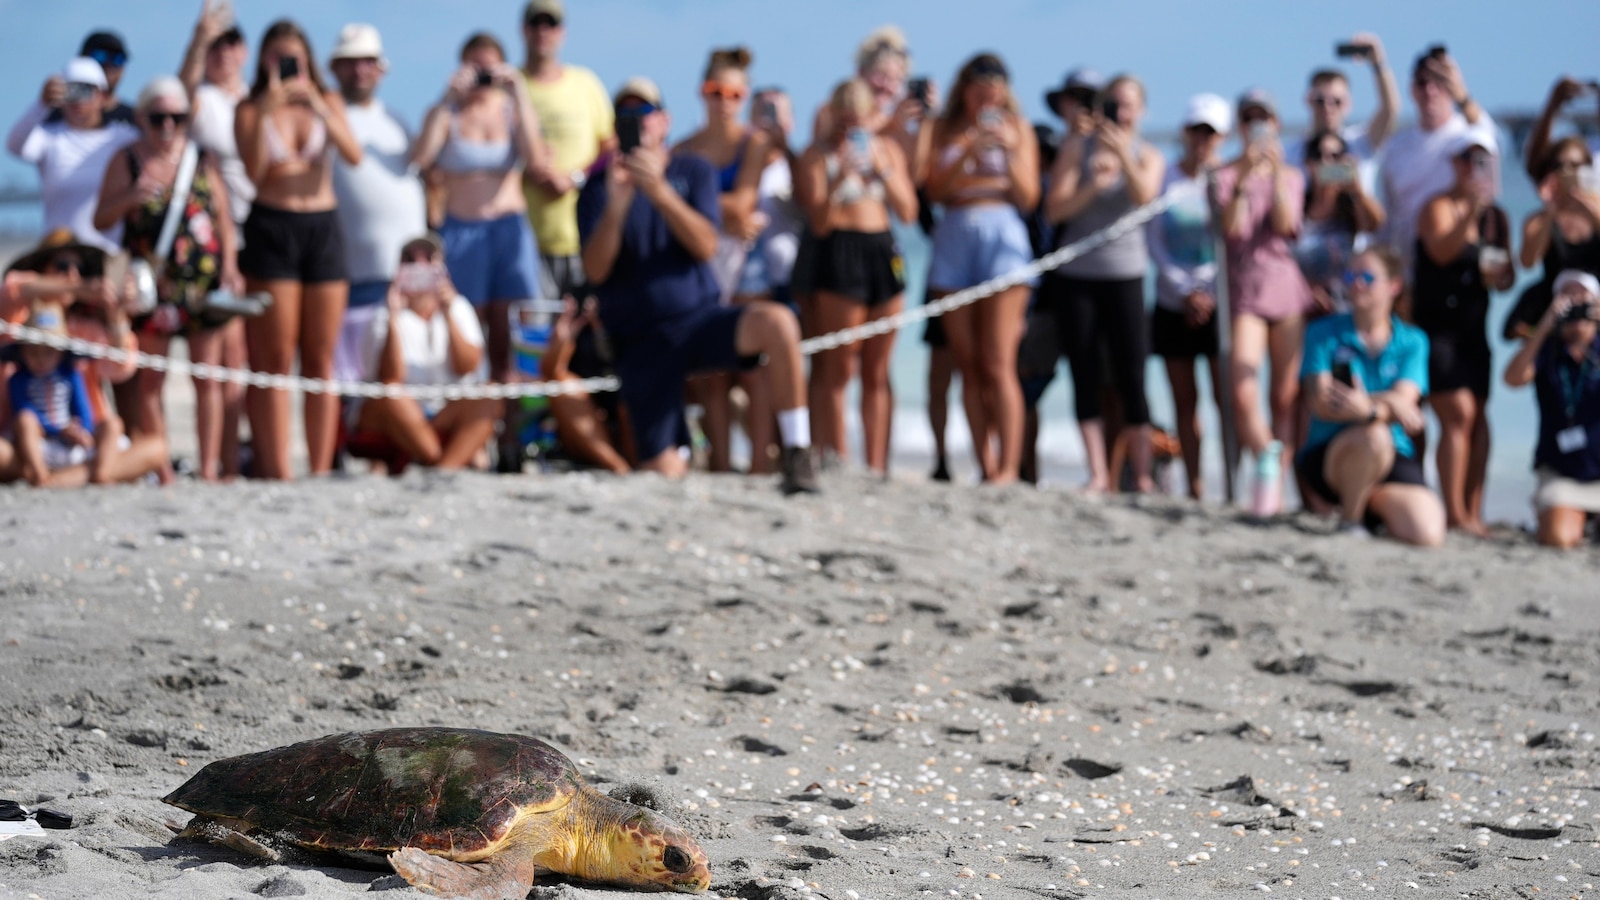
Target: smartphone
[
  {"x": 990, "y": 119},
  {"x": 485, "y": 78},
  {"x": 1258, "y": 133},
  {"x": 1438, "y": 50},
  {"x": 1341, "y": 373},
  {"x": 1336, "y": 173},
  {"x": 417, "y": 278},
  {"x": 1589, "y": 179},
  {"x": 766, "y": 111},
  {"x": 917, "y": 89},
  {"x": 288, "y": 68},
  {"x": 1352, "y": 51},
  {"x": 78, "y": 93},
  {"x": 627, "y": 133},
  {"x": 1111, "y": 109}
]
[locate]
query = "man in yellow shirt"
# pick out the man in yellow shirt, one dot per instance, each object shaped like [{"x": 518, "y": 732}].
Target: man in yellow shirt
[{"x": 578, "y": 122}]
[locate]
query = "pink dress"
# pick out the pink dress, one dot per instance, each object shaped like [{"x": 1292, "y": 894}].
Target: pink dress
[{"x": 1263, "y": 278}]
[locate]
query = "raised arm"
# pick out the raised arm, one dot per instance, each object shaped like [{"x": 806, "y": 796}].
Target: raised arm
[
  {"x": 1384, "y": 120},
  {"x": 1538, "y": 144},
  {"x": 213, "y": 22}
]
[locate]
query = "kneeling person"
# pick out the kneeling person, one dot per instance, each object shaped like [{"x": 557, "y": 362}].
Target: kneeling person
[
  {"x": 428, "y": 334},
  {"x": 1365, "y": 373},
  {"x": 649, "y": 226}
]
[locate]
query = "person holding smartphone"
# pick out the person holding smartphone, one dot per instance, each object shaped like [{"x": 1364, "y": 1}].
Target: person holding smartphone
[
  {"x": 984, "y": 167},
  {"x": 293, "y": 247},
  {"x": 1338, "y": 209},
  {"x": 72, "y": 152},
  {"x": 1563, "y": 234},
  {"x": 1463, "y": 252},
  {"x": 1566, "y": 90},
  {"x": 1261, "y": 203},
  {"x": 1098, "y": 298},
  {"x": 649, "y": 222},
  {"x": 1364, "y": 375},
  {"x": 1330, "y": 103},
  {"x": 1561, "y": 356},
  {"x": 425, "y": 334},
  {"x": 480, "y": 137}
]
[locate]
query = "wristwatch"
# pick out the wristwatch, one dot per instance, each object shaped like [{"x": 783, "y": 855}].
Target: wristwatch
[{"x": 579, "y": 178}]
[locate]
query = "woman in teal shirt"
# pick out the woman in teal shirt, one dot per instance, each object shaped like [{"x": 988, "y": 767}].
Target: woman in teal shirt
[{"x": 1365, "y": 373}]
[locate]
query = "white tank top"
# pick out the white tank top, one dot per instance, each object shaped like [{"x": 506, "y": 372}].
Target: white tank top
[{"x": 213, "y": 131}]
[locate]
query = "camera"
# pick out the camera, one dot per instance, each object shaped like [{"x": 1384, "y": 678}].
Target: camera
[
  {"x": 485, "y": 78},
  {"x": 1580, "y": 311},
  {"x": 288, "y": 68}
]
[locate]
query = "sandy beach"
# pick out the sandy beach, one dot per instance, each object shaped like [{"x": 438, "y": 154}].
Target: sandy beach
[{"x": 893, "y": 690}]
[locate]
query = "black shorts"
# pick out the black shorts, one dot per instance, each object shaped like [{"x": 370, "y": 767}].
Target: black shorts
[
  {"x": 1172, "y": 337},
  {"x": 1459, "y": 361},
  {"x": 863, "y": 266},
  {"x": 653, "y": 365},
  {"x": 1312, "y": 464},
  {"x": 280, "y": 245}
]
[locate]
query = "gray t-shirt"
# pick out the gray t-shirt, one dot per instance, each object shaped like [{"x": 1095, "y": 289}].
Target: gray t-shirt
[
  {"x": 381, "y": 205},
  {"x": 1123, "y": 258}
]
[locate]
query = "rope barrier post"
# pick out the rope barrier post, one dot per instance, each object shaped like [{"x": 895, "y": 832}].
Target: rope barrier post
[{"x": 1224, "y": 391}]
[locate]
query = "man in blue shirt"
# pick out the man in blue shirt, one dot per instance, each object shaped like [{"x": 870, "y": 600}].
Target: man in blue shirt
[{"x": 649, "y": 226}]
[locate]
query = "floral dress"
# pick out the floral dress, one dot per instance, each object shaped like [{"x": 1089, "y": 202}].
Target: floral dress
[{"x": 194, "y": 266}]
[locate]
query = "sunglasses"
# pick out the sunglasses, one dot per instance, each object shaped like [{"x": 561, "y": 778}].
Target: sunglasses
[
  {"x": 543, "y": 20},
  {"x": 723, "y": 91},
  {"x": 1365, "y": 279},
  {"x": 1325, "y": 100},
  {"x": 160, "y": 119},
  {"x": 108, "y": 58},
  {"x": 66, "y": 264},
  {"x": 1200, "y": 130}
]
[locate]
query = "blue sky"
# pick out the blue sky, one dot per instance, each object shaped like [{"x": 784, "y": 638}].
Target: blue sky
[{"x": 1510, "y": 52}]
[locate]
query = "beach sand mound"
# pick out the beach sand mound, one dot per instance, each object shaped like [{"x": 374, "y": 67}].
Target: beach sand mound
[{"x": 888, "y": 691}]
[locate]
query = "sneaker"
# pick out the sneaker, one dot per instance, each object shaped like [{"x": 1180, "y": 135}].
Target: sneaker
[
  {"x": 799, "y": 472},
  {"x": 1267, "y": 499}
]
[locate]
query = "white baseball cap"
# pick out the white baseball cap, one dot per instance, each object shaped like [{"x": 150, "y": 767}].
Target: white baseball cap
[
  {"x": 1578, "y": 277},
  {"x": 1475, "y": 137},
  {"x": 1209, "y": 109},
  {"x": 359, "y": 41},
  {"x": 83, "y": 70}
]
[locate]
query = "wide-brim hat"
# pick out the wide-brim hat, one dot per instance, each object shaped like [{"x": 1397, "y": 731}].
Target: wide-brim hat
[
  {"x": 52, "y": 243},
  {"x": 1082, "y": 78},
  {"x": 359, "y": 40}
]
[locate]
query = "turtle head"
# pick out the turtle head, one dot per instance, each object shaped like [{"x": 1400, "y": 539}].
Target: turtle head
[{"x": 642, "y": 849}]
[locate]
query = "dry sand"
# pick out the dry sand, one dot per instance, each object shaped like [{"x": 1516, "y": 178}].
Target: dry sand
[{"x": 893, "y": 690}]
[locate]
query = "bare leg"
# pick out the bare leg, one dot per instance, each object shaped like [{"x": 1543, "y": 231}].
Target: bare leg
[
  {"x": 961, "y": 329},
  {"x": 1413, "y": 514},
  {"x": 877, "y": 398},
  {"x": 151, "y": 415},
  {"x": 1457, "y": 411},
  {"x": 711, "y": 392},
  {"x": 1185, "y": 402},
  {"x": 146, "y": 453},
  {"x": 234, "y": 356},
  {"x": 582, "y": 434},
  {"x": 30, "y": 448},
  {"x": 1094, "y": 451},
  {"x": 1001, "y": 320},
  {"x": 322, "y": 316},
  {"x": 1560, "y": 527},
  {"x": 466, "y": 425},
  {"x": 1249, "y": 353},
  {"x": 270, "y": 339},
  {"x": 402, "y": 420},
  {"x": 830, "y": 370},
  {"x": 941, "y": 370},
  {"x": 771, "y": 330},
  {"x": 1478, "y": 465},
  {"x": 1358, "y": 459},
  {"x": 206, "y": 347}
]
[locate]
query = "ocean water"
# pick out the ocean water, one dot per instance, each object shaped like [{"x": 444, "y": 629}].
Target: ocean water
[{"x": 1513, "y": 416}]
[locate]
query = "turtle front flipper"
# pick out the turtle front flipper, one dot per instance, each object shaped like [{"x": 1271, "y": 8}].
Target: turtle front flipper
[
  {"x": 211, "y": 831},
  {"x": 496, "y": 878}
]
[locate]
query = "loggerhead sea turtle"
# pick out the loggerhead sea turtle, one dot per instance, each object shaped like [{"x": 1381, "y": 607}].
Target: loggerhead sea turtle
[{"x": 459, "y": 813}]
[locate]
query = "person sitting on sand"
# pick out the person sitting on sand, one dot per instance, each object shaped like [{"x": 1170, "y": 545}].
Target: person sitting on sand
[
  {"x": 428, "y": 334},
  {"x": 57, "y": 439},
  {"x": 649, "y": 226},
  {"x": 1365, "y": 373},
  {"x": 1562, "y": 358}
]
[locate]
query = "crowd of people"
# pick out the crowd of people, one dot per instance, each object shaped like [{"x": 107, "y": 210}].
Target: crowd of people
[{"x": 1337, "y": 286}]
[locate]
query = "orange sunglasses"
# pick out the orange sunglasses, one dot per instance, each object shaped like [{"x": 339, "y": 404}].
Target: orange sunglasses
[{"x": 726, "y": 92}]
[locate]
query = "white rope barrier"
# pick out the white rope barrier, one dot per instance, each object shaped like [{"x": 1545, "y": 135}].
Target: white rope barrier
[{"x": 1133, "y": 219}]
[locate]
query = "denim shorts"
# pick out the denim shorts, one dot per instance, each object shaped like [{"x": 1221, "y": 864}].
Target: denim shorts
[
  {"x": 973, "y": 244},
  {"x": 497, "y": 259}
]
